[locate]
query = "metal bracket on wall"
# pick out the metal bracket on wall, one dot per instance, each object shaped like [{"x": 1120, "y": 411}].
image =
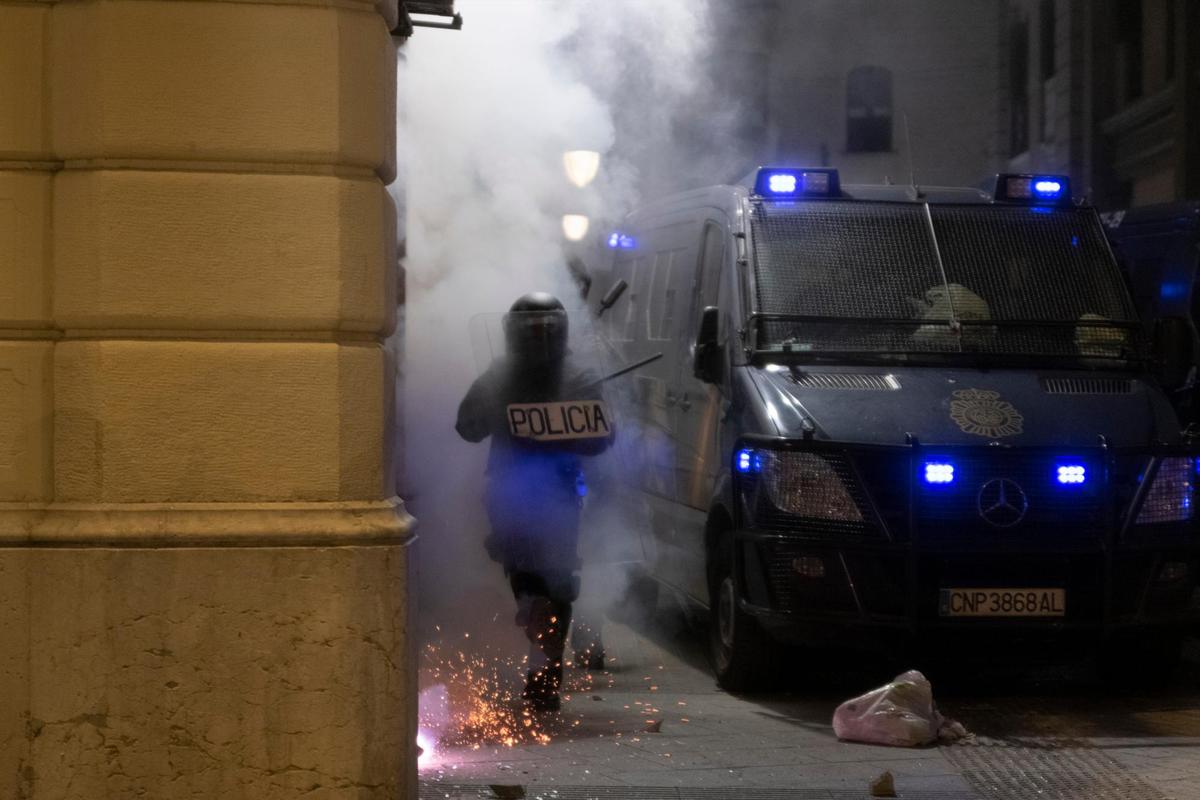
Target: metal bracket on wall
[{"x": 426, "y": 8}]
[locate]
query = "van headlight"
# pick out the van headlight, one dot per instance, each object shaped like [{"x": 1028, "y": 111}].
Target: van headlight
[
  {"x": 1170, "y": 498},
  {"x": 807, "y": 485}
]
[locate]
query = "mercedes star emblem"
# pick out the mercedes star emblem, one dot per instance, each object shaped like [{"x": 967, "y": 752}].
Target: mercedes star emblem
[{"x": 1002, "y": 502}]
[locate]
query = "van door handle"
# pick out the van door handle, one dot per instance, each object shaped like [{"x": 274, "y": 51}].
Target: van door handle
[
  {"x": 684, "y": 403},
  {"x": 670, "y": 398}
]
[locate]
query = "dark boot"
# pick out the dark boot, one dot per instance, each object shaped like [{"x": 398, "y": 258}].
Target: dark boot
[
  {"x": 589, "y": 647},
  {"x": 546, "y": 631},
  {"x": 541, "y": 689}
]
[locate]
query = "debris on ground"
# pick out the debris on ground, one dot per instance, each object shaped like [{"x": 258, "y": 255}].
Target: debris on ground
[
  {"x": 883, "y": 786},
  {"x": 900, "y": 714},
  {"x": 653, "y": 725}
]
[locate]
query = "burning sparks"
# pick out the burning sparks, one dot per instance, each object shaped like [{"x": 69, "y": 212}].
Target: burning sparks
[
  {"x": 472, "y": 701},
  {"x": 483, "y": 699}
]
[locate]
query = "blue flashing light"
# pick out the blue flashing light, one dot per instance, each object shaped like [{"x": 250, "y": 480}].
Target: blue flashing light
[
  {"x": 1039, "y": 189},
  {"x": 781, "y": 183},
  {"x": 746, "y": 461},
  {"x": 618, "y": 240},
  {"x": 1072, "y": 474},
  {"x": 1173, "y": 290},
  {"x": 1047, "y": 187},
  {"x": 939, "y": 472}
]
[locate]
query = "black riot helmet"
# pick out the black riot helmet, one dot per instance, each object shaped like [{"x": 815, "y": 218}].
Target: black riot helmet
[{"x": 535, "y": 329}]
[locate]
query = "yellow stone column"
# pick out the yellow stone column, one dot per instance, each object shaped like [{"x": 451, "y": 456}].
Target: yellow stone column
[{"x": 203, "y": 567}]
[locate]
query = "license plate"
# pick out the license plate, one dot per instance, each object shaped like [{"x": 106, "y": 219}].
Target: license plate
[{"x": 1003, "y": 603}]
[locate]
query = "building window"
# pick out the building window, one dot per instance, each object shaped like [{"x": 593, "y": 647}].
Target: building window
[
  {"x": 1018, "y": 79},
  {"x": 869, "y": 110}
]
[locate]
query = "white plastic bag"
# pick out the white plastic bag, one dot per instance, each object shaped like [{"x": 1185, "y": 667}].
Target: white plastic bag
[{"x": 900, "y": 714}]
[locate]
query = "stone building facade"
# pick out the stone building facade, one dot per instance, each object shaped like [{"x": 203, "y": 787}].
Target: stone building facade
[
  {"x": 851, "y": 83},
  {"x": 203, "y": 564},
  {"x": 1106, "y": 91}
]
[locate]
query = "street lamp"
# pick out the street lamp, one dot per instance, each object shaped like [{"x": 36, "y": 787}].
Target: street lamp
[
  {"x": 574, "y": 227},
  {"x": 581, "y": 166}
]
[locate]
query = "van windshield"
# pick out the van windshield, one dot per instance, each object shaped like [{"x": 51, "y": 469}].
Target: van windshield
[{"x": 908, "y": 278}]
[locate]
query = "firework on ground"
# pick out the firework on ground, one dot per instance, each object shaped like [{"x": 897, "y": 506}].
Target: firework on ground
[{"x": 483, "y": 705}]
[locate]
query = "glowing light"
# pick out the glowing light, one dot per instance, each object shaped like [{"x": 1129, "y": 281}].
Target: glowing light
[
  {"x": 476, "y": 703},
  {"x": 1054, "y": 189},
  {"x": 782, "y": 182},
  {"x": 1071, "y": 474},
  {"x": 1173, "y": 290},
  {"x": 574, "y": 226},
  {"x": 939, "y": 472},
  {"x": 428, "y": 751},
  {"x": 616, "y": 239},
  {"x": 746, "y": 461},
  {"x": 581, "y": 166}
]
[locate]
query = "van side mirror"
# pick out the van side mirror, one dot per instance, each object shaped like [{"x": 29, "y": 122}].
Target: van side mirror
[
  {"x": 706, "y": 357},
  {"x": 1174, "y": 350}
]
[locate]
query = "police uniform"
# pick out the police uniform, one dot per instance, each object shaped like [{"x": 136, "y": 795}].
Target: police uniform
[{"x": 533, "y": 492}]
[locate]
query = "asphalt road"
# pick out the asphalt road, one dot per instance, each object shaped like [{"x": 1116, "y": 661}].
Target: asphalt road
[{"x": 1055, "y": 732}]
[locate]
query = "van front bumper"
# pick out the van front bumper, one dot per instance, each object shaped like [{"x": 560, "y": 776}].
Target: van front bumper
[
  {"x": 812, "y": 592},
  {"x": 869, "y": 543}
]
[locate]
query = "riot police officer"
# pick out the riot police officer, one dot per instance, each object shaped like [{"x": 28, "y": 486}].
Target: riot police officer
[{"x": 543, "y": 411}]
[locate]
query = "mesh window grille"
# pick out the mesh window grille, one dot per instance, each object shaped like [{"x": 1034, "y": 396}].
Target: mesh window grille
[
  {"x": 806, "y": 494},
  {"x": 1172, "y": 493},
  {"x": 865, "y": 277}
]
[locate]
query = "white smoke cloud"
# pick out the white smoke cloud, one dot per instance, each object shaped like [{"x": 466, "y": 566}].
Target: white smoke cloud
[{"x": 486, "y": 114}]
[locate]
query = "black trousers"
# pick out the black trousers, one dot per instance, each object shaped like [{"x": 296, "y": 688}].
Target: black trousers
[{"x": 544, "y": 602}]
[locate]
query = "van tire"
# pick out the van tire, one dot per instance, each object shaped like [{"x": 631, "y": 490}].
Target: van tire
[{"x": 743, "y": 656}]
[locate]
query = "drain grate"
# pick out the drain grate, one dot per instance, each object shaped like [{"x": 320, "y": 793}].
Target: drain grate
[
  {"x": 450, "y": 791},
  {"x": 1047, "y": 769}
]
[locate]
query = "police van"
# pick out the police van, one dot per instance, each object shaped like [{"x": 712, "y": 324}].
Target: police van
[
  {"x": 1158, "y": 248},
  {"x": 896, "y": 414}
]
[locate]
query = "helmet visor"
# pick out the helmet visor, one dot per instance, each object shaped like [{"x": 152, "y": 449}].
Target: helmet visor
[{"x": 536, "y": 335}]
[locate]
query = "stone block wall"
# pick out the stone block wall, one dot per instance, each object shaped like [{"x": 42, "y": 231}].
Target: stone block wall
[{"x": 203, "y": 567}]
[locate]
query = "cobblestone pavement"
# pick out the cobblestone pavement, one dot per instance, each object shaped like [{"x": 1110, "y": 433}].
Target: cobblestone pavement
[{"x": 1056, "y": 734}]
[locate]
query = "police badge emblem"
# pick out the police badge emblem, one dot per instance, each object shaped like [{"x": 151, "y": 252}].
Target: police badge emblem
[{"x": 981, "y": 412}]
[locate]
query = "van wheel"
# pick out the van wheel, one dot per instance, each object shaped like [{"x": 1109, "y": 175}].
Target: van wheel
[
  {"x": 1144, "y": 662},
  {"x": 743, "y": 655}
]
